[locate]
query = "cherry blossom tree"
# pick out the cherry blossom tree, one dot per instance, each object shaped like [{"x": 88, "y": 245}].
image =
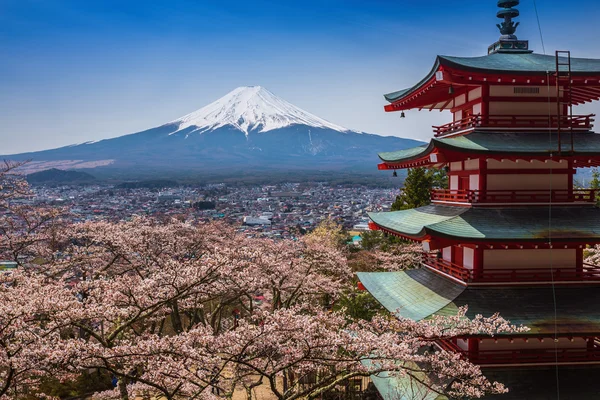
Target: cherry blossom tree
[
  {"x": 592, "y": 255},
  {"x": 179, "y": 310}
]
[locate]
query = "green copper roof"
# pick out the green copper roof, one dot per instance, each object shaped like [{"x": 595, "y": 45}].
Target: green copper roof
[
  {"x": 576, "y": 307},
  {"x": 474, "y": 224},
  {"x": 503, "y": 63},
  {"x": 420, "y": 293},
  {"x": 412, "y": 222},
  {"x": 523, "y": 143},
  {"x": 405, "y": 388},
  {"x": 575, "y": 383},
  {"x": 406, "y": 154},
  {"x": 414, "y": 294},
  {"x": 391, "y": 97},
  {"x": 520, "y": 63}
]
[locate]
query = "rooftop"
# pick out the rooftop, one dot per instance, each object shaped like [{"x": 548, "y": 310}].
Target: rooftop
[
  {"x": 477, "y": 70},
  {"x": 420, "y": 293},
  {"x": 525, "y": 144},
  {"x": 493, "y": 224}
]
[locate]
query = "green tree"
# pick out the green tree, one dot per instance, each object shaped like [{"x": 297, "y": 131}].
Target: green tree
[
  {"x": 417, "y": 187},
  {"x": 595, "y": 182},
  {"x": 439, "y": 178},
  {"x": 416, "y": 190}
]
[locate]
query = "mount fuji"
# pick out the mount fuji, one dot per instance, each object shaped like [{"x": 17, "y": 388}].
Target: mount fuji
[{"x": 249, "y": 129}]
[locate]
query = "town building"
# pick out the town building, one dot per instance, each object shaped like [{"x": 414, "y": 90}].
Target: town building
[{"x": 509, "y": 235}]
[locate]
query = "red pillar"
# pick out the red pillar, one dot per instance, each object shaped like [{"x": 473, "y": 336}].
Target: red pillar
[
  {"x": 473, "y": 348},
  {"x": 477, "y": 263},
  {"x": 482, "y": 178},
  {"x": 579, "y": 261},
  {"x": 485, "y": 103}
]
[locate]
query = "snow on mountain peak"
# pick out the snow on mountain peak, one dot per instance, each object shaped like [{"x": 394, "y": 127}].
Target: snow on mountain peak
[{"x": 251, "y": 107}]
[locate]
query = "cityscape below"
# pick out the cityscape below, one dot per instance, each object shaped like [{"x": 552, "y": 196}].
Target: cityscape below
[{"x": 277, "y": 211}]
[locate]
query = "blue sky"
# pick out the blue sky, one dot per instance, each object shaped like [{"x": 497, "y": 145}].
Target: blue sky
[{"x": 78, "y": 70}]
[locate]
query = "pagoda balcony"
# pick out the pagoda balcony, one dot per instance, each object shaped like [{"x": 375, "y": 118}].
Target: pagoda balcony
[
  {"x": 589, "y": 272},
  {"x": 495, "y": 197},
  {"x": 525, "y": 356},
  {"x": 516, "y": 122}
]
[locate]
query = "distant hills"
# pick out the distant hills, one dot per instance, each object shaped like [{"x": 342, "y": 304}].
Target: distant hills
[
  {"x": 58, "y": 176},
  {"x": 249, "y": 131}
]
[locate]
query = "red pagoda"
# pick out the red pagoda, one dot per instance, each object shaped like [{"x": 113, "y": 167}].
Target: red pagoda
[{"x": 509, "y": 235}]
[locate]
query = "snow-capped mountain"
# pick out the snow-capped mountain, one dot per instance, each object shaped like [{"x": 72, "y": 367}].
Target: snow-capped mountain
[
  {"x": 248, "y": 129},
  {"x": 251, "y": 108}
]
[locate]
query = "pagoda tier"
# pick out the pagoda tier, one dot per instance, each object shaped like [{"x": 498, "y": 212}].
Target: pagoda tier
[
  {"x": 569, "y": 334},
  {"x": 492, "y": 80},
  {"x": 511, "y": 226},
  {"x": 508, "y": 245},
  {"x": 511, "y": 146}
]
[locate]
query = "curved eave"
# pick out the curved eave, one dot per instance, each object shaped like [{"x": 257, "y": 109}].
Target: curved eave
[
  {"x": 486, "y": 225},
  {"x": 419, "y": 293},
  {"x": 410, "y": 158},
  {"x": 433, "y": 94},
  {"x": 414, "y": 294},
  {"x": 401, "y": 95},
  {"x": 412, "y": 223},
  {"x": 524, "y": 64},
  {"x": 533, "y": 144},
  {"x": 500, "y": 144}
]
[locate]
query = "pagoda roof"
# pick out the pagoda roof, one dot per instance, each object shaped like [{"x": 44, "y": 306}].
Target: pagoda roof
[
  {"x": 420, "y": 293},
  {"x": 405, "y": 387},
  {"x": 519, "y": 63},
  {"x": 569, "y": 224},
  {"x": 575, "y": 383},
  {"x": 531, "y": 144},
  {"x": 488, "y": 68}
]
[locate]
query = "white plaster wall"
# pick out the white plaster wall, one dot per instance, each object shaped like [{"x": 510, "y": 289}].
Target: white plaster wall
[
  {"x": 476, "y": 108},
  {"x": 532, "y": 344},
  {"x": 529, "y": 258},
  {"x": 527, "y": 182},
  {"x": 471, "y": 165},
  {"x": 522, "y": 164},
  {"x": 475, "y": 93},
  {"x": 456, "y": 166},
  {"x": 458, "y": 115},
  {"x": 447, "y": 254},
  {"x": 453, "y": 182},
  {"x": 468, "y": 257},
  {"x": 514, "y": 108},
  {"x": 460, "y": 100},
  {"x": 473, "y": 182}
]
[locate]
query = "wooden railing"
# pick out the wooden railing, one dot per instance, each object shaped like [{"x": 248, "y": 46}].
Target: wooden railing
[
  {"x": 524, "y": 356},
  {"x": 447, "y": 267},
  {"x": 586, "y": 196},
  {"x": 588, "y": 272},
  {"x": 576, "y": 122}
]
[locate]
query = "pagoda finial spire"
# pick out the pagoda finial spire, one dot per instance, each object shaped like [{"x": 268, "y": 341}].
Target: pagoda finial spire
[
  {"x": 508, "y": 27},
  {"x": 508, "y": 42}
]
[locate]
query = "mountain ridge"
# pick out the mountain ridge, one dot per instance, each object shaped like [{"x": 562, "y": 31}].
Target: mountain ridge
[{"x": 247, "y": 129}]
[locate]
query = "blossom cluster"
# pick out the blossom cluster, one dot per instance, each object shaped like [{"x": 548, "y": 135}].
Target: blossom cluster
[{"x": 171, "y": 310}]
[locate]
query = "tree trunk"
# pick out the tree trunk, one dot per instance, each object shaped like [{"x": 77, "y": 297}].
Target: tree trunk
[
  {"x": 176, "y": 318},
  {"x": 123, "y": 389}
]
